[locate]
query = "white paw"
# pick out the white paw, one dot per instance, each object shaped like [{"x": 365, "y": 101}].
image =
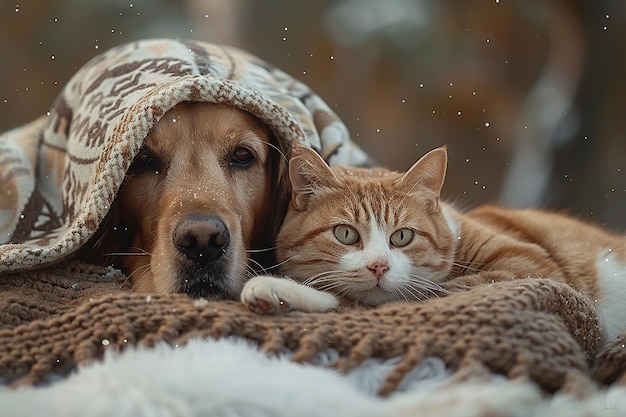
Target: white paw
[
  {"x": 271, "y": 295},
  {"x": 264, "y": 294}
]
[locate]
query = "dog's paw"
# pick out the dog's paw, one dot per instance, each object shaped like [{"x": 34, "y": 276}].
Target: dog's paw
[{"x": 271, "y": 295}]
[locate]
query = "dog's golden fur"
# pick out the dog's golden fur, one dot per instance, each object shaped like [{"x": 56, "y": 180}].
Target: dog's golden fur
[{"x": 195, "y": 202}]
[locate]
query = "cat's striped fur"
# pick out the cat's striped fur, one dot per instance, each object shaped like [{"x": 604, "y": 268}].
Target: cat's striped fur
[{"x": 375, "y": 236}]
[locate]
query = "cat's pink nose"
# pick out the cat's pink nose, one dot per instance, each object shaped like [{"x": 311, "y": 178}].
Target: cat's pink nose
[{"x": 378, "y": 268}]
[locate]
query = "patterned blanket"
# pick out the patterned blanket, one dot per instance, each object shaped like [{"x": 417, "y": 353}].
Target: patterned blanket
[{"x": 60, "y": 173}]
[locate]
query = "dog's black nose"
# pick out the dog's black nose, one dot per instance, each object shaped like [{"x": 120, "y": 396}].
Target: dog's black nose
[{"x": 201, "y": 238}]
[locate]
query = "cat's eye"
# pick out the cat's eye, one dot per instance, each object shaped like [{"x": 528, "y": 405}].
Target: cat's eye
[
  {"x": 401, "y": 237},
  {"x": 346, "y": 234}
]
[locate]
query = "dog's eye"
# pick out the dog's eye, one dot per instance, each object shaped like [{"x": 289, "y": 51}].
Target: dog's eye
[
  {"x": 144, "y": 161},
  {"x": 144, "y": 158},
  {"x": 242, "y": 158}
]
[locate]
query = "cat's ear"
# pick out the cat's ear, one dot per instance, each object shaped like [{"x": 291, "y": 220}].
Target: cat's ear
[
  {"x": 307, "y": 173},
  {"x": 429, "y": 172}
]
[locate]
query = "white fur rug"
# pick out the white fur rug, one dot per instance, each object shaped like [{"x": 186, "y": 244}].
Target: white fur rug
[{"x": 229, "y": 378}]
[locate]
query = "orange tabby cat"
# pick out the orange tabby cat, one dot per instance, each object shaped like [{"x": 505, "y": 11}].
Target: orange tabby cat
[{"x": 375, "y": 236}]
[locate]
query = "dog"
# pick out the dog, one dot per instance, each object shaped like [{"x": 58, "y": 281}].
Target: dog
[{"x": 207, "y": 189}]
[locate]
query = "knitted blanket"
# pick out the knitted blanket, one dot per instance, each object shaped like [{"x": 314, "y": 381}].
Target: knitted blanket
[
  {"x": 60, "y": 174},
  {"x": 536, "y": 331}
]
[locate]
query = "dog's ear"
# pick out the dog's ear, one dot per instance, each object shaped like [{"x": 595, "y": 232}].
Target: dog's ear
[
  {"x": 308, "y": 172},
  {"x": 278, "y": 194},
  {"x": 110, "y": 239}
]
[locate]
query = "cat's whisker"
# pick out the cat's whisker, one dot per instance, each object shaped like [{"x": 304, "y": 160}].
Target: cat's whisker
[
  {"x": 141, "y": 252},
  {"x": 283, "y": 262},
  {"x": 260, "y": 250},
  {"x": 414, "y": 291},
  {"x": 327, "y": 281},
  {"x": 250, "y": 271},
  {"x": 417, "y": 294},
  {"x": 332, "y": 285},
  {"x": 320, "y": 283},
  {"x": 401, "y": 292},
  {"x": 425, "y": 292},
  {"x": 398, "y": 292},
  {"x": 261, "y": 268},
  {"x": 343, "y": 291},
  {"x": 264, "y": 270},
  {"x": 425, "y": 284},
  {"x": 337, "y": 286},
  {"x": 465, "y": 265},
  {"x": 426, "y": 289},
  {"x": 321, "y": 277}
]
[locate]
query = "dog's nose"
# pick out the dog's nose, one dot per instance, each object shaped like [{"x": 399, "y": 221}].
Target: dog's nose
[{"x": 201, "y": 238}]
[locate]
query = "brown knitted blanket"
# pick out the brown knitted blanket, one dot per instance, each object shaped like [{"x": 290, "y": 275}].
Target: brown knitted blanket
[{"x": 69, "y": 315}]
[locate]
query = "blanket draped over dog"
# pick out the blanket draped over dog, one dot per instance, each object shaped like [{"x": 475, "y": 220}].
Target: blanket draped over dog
[{"x": 60, "y": 173}]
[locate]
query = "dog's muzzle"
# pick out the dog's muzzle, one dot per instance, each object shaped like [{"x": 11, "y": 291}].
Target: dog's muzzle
[{"x": 203, "y": 240}]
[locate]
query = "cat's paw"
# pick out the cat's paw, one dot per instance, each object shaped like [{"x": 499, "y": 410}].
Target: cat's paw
[
  {"x": 271, "y": 295},
  {"x": 262, "y": 294}
]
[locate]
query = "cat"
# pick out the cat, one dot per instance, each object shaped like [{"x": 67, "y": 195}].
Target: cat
[{"x": 372, "y": 236}]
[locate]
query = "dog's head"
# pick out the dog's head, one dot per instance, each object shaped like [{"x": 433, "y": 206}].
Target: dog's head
[{"x": 207, "y": 189}]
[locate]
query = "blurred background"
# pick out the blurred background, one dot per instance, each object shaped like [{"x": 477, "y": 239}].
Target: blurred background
[{"x": 529, "y": 95}]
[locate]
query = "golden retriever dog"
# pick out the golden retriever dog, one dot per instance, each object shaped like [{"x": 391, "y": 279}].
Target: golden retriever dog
[{"x": 206, "y": 190}]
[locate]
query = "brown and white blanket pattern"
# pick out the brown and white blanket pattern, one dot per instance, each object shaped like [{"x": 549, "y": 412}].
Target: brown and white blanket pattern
[{"x": 59, "y": 174}]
